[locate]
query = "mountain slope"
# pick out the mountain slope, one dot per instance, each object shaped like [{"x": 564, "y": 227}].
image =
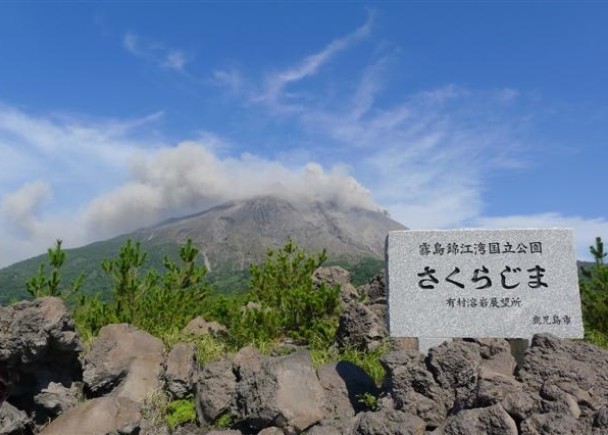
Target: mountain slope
[
  {"x": 238, "y": 233},
  {"x": 230, "y": 237}
]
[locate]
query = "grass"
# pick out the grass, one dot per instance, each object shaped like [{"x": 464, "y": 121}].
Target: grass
[
  {"x": 368, "y": 361},
  {"x": 596, "y": 338},
  {"x": 179, "y": 412}
]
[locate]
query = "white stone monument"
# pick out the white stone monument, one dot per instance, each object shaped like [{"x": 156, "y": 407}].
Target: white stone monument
[{"x": 482, "y": 283}]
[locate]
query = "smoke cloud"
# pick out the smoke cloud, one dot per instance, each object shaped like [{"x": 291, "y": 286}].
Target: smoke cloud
[
  {"x": 191, "y": 177},
  {"x": 21, "y": 207}
]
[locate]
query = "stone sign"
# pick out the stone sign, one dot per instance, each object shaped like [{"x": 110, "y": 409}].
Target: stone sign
[{"x": 483, "y": 283}]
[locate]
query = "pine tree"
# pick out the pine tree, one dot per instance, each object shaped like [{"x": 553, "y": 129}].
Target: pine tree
[
  {"x": 42, "y": 285},
  {"x": 594, "y": 290}
]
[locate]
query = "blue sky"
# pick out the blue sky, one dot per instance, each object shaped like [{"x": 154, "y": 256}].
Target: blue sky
[{"x": 118, "y": 115}]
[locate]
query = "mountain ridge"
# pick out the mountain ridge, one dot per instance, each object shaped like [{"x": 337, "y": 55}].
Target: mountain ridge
[
  {"x": 230, "y": 236},
  {"x": 241, "y": 227}
]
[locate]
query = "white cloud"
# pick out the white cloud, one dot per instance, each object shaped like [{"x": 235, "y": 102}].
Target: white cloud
[
  {"x": 83, "y": 181},
  {"x": 157, "y": 53},
  {"x": 190, "y": 177},
  {"x": 370, "y": 85},
  {"x": 51, "y": 166},
  {"x": 275, "y": 83},
  {"x": 426, "y": 156},
  {"x": 26, "y": 229},
  {"x": 21, "y": 207},
  {"x": 55, "y": 136}
]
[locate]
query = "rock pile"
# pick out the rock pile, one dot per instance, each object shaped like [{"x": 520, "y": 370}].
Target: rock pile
[{"x": 460, "y": 387}]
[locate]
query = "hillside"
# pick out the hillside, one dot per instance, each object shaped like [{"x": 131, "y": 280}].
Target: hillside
[{"x": 230, "y": 237}]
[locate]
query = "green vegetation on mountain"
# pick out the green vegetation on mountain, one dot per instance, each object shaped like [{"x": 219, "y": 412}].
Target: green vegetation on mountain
[
  {"x": 81, "y": 262},
  {"x": 230, "y": 237},
  {"x": 81, "y": 267}
]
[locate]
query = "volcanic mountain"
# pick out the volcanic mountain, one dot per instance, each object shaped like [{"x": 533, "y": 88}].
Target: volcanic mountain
[
  {"x": 239, "y": 232},
  {"x": 233, "y": 235}
]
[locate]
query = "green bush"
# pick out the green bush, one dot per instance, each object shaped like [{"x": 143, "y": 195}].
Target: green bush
[
  {"x": 283, "y": 301},
  {"x": 42, "y": 285},
  {"x": 596, "y": 338},
  {"x": 160, "y": 304},
  {"x": 594, "y": 293}
]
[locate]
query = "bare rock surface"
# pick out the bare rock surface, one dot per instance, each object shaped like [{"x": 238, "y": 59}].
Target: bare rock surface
[
  {"x": 224, "y": 432},
  {"x": 573, "y": 367},
  {"x": 103, "y": 415},
  {"x": 31, "y": 331},
  {"x": 57, "y": 398},
  {"x": 344, "y": 385},
  {"x": 180, "y": 369},
  {"x": 281, "y": 391},
  {"x": 455, "y": 367},
  {"x": 199, "y": 327},
  {"x": 388, "y": 422},
  {"x": 414, "y": 388},
  {"x": 40, "y": 371},
  {"x": 123, "y": 361},
  {"x": 374, "y": 295},
  {"x": 360, "y": 327},
  {"x": 188, "y": 429},
  {"x": 215, "y": 391},
  {"x": 492, "y": 420},
  {"x": 363, "y": 320},
  {"x": 271, "y": 431},
  {"x": 552, "y": 423},
  {"x": 13, "y": 420},
  {"x": 336, "y": 275}
]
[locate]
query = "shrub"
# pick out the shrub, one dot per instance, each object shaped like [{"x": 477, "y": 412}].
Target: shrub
[
  {"x": 283, "y": 301},
  {"x": 173, "y": 299},
  {"x": 160, "y": 304},
  {"x": 594, "y": 292},
  {"x": 42, "y": 285}
]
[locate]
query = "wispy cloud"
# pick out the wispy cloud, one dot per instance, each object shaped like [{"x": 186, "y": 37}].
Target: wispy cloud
[
  {"x": 426, "y": 155},
  {"x": 40, "y": 144},
  {"x": 157, "y": 53},
  {"x": 273, "y": 90},
  {"x": 51, "y": 165},
  {"x": 230, "y": 78}
]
